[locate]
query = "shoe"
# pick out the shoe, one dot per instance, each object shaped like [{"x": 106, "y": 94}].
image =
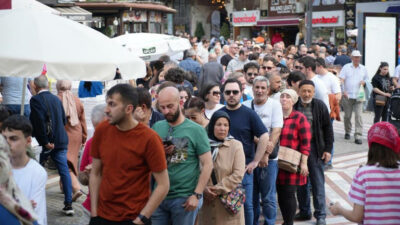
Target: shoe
[
  {"x": 347, "y": 136},
  {"x": 321, "y": 221},
  {"x": 358, "y": 141},
  {"x": 76, "y": 195},
  {"x": 68, "y": 210},
  {"x": 328, "y": 167},
  {"x": 300, "y": 217}
]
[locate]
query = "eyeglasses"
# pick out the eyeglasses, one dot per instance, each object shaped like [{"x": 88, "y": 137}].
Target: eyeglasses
[
  {"x": 229, "y": 92},
  {"x": 280, "y": 56},
  {"x": 290, "y": 58},
  {"x": 267, "y": 67},
  {"x": 215, "y": 93},
  {"x": 252, "y": 74},
  {"x": 299, "y": 67}
]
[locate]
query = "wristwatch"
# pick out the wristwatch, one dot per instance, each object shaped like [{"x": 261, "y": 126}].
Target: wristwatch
[
  {"x": 144, "y": 219},
  {"x": 198, "y": 196}
]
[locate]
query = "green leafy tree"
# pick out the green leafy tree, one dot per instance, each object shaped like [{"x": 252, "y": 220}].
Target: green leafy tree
[
  {"x": 199, "y": 33},
  {"x": 225, "y": 31}
]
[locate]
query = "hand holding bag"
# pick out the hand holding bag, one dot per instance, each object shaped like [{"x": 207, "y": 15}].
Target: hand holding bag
[{"x": 289, "y": 159}]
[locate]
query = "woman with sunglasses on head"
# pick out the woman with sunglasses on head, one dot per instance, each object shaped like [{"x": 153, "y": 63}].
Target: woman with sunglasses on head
[
  {"x": 229, "y": 168},
  {"x": 194, "y": 109},
  {"x": 211, "y": 95},
  {"x": 375, "y": 187},
  {"x": 382, "y": 87}
]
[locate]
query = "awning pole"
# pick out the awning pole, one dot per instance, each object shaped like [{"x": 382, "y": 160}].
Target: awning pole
[{"x": 23, "y": 96}]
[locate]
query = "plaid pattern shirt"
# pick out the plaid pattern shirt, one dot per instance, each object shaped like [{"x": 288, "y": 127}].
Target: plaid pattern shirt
[{"x": 296, "y": 134}]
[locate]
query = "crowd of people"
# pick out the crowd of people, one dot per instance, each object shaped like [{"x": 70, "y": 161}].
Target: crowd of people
[{"x": 197, "y": 141}]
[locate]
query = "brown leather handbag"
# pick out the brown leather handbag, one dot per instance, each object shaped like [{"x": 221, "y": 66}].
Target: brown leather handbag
[
  {"x": 289, "y": 159},
  {"x": 380, "y": 100}
]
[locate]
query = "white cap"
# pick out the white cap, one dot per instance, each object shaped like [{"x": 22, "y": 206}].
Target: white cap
[{"x": 356, "y": 53}]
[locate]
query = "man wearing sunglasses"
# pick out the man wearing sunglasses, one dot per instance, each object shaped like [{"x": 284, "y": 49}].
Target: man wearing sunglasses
[
  {"x": 268, "y": 65},
  {"x": 245, "y": 125},
  {"x": 250, "y": 72}
]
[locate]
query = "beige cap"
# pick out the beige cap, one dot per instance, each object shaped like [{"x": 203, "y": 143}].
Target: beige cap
[{"x": 292, "y": 93}]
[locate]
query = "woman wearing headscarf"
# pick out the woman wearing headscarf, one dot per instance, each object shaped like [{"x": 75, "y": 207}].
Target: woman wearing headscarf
[
  {"x": 76, "y": 130},
  {"x": 374, "y": 191},
  {"x": 229, "y": 168},
  {"x": 15, "y": 208}
]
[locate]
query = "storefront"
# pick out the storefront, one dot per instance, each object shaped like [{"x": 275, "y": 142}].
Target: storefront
[
  {"x": 116, "y": 18},
  {"x": 329, "y": 25},
  {"x": 244, "y": 24},
  {"x": 284, "y": 18}
]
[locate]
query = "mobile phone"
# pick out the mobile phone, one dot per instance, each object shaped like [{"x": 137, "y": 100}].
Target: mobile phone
[{"x": 167, "y": 142}]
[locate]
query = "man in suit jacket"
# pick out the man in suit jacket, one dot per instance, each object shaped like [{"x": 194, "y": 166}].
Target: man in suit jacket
[{"x": 55, "y": 143}]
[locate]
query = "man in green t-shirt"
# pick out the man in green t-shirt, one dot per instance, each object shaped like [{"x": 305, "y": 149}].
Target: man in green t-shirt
[{"x": 186, "y": 144}]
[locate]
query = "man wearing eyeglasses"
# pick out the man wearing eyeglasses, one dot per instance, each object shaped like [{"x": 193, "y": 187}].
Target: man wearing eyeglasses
[
  {"x": 268, "y": 65},
  {"x": 250, "y": 72},
  {"x": 270, "y": 112},
  {"x": 245, "y": 125}
]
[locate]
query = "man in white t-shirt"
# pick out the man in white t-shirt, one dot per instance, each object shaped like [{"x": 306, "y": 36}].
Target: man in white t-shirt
[
  {"x": 29, "y": 175},
  {"x": 270, "y": 112}
]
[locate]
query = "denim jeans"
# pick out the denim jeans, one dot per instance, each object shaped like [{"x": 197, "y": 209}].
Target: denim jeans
[
  {"x": 248, "y": 204},
  {"x": 316, "y": 181},
  {"x": 170, "y": 211},
  {"x": 16, "y": 109},
  {"x": 59, "y": 157},
  {"x": 265, "y": 187}
]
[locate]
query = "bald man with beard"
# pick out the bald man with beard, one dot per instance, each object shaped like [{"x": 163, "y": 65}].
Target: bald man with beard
[{"x": 186, "y": 144}]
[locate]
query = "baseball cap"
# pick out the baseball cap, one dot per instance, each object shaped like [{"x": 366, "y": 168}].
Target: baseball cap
[{"x": 385, "y": 134}]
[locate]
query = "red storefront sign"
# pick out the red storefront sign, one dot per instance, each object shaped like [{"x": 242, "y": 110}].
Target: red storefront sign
[
  {"x": 245, "y": 19},
  {"x": 325, "y": 20}
]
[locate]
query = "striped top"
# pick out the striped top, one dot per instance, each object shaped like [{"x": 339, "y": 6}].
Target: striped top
[{"x": 378, "y": 190}]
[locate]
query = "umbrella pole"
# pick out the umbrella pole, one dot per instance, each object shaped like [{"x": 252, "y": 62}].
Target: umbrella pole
[{"x": 23, "y": 96}]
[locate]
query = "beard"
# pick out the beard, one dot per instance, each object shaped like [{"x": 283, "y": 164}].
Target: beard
[
  {"x": 173, "y": 117},
  {"x": 306, "y": 102},
  {"x": 232, "y": 104},
  {"x": 115, "y": 120}
]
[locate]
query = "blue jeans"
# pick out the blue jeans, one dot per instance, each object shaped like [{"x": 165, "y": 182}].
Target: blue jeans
[
  {"x": 170, "y": 211},
  {"x": 16, "y": 109},
  {"x": 59, "y": 157},
  {"x": 247, "y": 183},
  {"x": 265, "y": 187},
  {"x": 316, "y": 180}
]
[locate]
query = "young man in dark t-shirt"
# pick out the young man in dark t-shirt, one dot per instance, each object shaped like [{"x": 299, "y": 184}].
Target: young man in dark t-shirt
[{"x": 245, "y": 125}]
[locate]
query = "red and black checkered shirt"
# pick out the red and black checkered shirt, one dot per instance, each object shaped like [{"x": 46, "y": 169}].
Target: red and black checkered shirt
[{"x": 296, "y": 134}]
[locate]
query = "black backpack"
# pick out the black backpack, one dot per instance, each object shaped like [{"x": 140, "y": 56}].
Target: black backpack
[{"x": 395, "y": 104}]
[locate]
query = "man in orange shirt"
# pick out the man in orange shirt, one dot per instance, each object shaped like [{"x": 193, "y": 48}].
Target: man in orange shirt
[{"x": 125, "y": 153}]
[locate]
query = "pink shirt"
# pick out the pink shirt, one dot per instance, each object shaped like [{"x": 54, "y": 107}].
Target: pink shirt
[
  {"x": 86, "y": 160},
  {"x": 378, "y": 190}
]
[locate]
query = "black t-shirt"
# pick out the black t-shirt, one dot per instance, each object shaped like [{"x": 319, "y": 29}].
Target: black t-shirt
[
  {"x": 143, "y": 82},
  {"x": 226, "y": 59},
  {"x": 383, "y": 83}
]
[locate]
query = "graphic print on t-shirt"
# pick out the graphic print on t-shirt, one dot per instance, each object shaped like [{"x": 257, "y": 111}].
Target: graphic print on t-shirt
[{"x": 180, "y": 152}]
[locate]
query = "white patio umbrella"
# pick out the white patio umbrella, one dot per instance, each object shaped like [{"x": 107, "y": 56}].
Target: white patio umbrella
[
  {"x": 149, "y": 46},
  {"x": 70, "y": 50}
]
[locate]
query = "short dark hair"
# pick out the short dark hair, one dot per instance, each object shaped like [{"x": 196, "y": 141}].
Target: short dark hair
[
  {"x": 306, "y": 82},
  {"x": 232, "y": 80},
  {"x": 241, "y": 52},
  {"x": 308, "y": 62},
  {"x": 164, "y": 59},
  {"x": 250, "y": 65},
  {"x": 320, "y": 62},
  {"x": 4, "y": 113},
  {"x": 158, "y": 65},
  {"x": 18, "y": 122},
  {"x": 176, "y": 75},
  {"x": 254, "y": 56},
  {"x": 144, "y": 97},
  {"x": 269, "y": 58},
  {"x": 195, "y": 102},
  {"x": 129, "y": 94},
  {"x": 294, "y": 77},
  {"x": 204, "y": 92},
  {"x": 384, "y": 156},
  {"x": 185, "y": 89}
]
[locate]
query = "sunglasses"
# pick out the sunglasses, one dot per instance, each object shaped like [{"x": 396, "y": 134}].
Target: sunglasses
[
  {"x": 299, "y": 67},
  {"x": 229, "y": 92},
  {"x": 267, "y": 67},
  {"x": 215, "y": 93},
  {"x": 252, "y": 74},
  {"x": 290, "y": 58},
  {"x": 280, "y": 56}
]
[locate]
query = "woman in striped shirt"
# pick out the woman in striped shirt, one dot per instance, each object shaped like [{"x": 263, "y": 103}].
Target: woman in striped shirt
[{"x": 375, "y": 190}]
